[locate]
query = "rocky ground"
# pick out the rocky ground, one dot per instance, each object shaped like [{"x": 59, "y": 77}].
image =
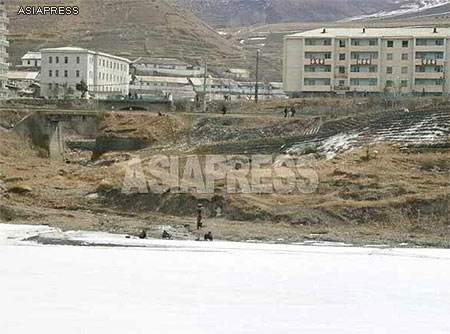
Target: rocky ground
[{"x": 385, "y": 193}]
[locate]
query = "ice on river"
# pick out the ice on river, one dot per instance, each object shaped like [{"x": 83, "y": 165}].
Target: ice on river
[{"x": 197, "y": 287}]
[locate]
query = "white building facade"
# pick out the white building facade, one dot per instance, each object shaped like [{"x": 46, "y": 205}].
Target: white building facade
[
  {"x": 372, "y": 60},
  {"x": 106, "y": 76},
  {"x": 31, "y": 59},
  {"x": 3, "y": 50}
]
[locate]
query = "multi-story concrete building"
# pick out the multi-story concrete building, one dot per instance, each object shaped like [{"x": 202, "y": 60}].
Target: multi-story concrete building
[
  {"x": 368, "y": 60},
  {"x": 62, "y": 69},
  {"x": 3, "y": 50}
]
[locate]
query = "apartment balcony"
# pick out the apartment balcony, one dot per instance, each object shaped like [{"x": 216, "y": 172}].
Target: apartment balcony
[
  {"x": 429, "y": 62},
  {"x": 317, "y": 61},
  {"x": 429, "y": 48},
  {"x": 428, "y": 75},
  {"x": 428, "y": 88},
  {"x": 364, "y": 48},
  {"x": 359, "y": 75},
  {"x": 318, "y": 48},
  {"x": 316, "y": 88},
  {"x": 364, "y": 61},
  {"x": 365, "y": 88},
  {"x": 313, "y": 75}
]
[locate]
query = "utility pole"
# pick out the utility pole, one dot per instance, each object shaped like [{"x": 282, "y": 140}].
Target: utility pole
[
  {"x": 204, "y": 85},
  {"x": 256, "y": 76}
]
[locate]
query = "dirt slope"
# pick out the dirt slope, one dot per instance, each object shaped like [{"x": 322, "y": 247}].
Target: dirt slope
[{"x": 129, "y": 28}]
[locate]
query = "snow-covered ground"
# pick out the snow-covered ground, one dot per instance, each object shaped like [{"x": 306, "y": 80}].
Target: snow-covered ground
[
  {"x": 219, "y": 287},
  {"x": 404, "y": 7}
]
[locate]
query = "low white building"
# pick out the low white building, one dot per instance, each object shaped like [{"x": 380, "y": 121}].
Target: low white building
[
  {"x": 155, "y": 86},
  {"x": 31, "y": 59},
  {"x": 23, "y": 83},
  {"x": 105, "y": 75},
  {"x": 239, "y": 73},
  {"x": 166, "y": 67}
]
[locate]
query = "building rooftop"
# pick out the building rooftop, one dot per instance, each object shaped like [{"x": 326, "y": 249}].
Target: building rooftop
[
  {"x": 22, "y": 75},
  {"x": 176, "y": 80},
  {"x": 76, "y": 49},
  {"x": 160, "y": 61},
  {"x": 373, "y": 32},
  {"x": 214, "y": 82},
  {"x": 32, "y": 56}
]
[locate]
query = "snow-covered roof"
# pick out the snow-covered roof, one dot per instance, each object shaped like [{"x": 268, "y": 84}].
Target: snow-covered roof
[
  {"x": 176, "y": 80},
  {"x": 32, "y": 56}
]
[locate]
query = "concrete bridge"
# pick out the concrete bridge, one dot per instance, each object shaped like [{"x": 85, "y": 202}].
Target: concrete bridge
[{"x": 48, "y": 129}]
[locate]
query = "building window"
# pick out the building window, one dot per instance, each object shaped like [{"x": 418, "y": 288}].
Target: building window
[
  {"x": 341, "y": 69},
  {"x": 372, "y": 69},
  {"x": 342, "y": 56},
  {"x": 404, "y": 70},
  {"x": 390, "y": 56},
  {"x": 405, "y": 44},
  {"x": 390, "y": 44},
  {"x": 389, "y": 70},
  {"x": 77, "y": 73},
  {"x": 29, "y": 62},
  {"x": 404, "y": 83},
  {"x": 342, "y": 43},
  {"x": 66, "y": 73},
  {"x": 78, "y": 60},
  {"x": 50, "y": 60},
  {"x": 66, "y": 60},
  {"x": 57, "y": 73},
  {"x": 50, "y": 73},
  {"x": 57, "y": 60},
  {"x": 355, "y": 42},
  {"x": 405, "y": 56},
  {"x": 389, "y": 83},
  {"x": 373, "y": 42}
]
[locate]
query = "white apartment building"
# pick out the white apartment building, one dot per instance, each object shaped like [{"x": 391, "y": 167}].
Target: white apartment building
[
  {"x": 368, "y": 60},
  {"x": 3, "y": 50},
  {"x": 106, "y": 76}
]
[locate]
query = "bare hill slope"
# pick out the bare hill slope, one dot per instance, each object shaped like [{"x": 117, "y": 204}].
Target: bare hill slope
[
  {"x": 250, "y": 12},
  {"x": 129, "y": 28}
]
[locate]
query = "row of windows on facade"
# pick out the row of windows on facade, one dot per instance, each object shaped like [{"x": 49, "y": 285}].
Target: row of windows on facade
[
  {"x": 90, "y": 88},
  {"x": 101, "y": 62},
  {"x": 371, "y": 82},
  {"x": 373, "y": 42},
  {"x": 374, "y": 68},
  {"x": 101, "y": 75},
  {"x": 374, "y": 55}
]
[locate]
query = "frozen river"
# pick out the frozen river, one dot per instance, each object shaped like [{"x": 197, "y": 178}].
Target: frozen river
[{"x": 197, "y": 287}]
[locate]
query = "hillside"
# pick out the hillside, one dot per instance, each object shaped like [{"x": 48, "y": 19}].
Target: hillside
[
  {"x": 128, "y": 28},
  {"x": 226, "y": 13}
]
